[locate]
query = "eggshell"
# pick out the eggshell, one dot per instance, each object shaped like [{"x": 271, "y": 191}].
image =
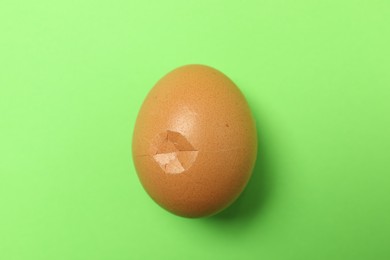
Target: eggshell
[{"x": 194, "y": 143}]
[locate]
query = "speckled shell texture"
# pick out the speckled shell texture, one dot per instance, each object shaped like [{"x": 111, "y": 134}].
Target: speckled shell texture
[{"x": 194, "y": 142}]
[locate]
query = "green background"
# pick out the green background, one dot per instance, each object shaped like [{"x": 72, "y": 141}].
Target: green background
[{"x": 73, "y": 75}]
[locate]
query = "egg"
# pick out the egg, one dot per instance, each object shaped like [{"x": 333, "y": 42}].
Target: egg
[{"x": 194, "y": 142}]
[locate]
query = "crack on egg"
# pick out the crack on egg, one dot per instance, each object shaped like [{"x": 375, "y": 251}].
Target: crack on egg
[{"x": 173, "y": 152}]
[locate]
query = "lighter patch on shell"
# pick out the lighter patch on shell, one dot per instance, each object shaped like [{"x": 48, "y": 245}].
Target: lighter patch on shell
[{"x": 172, "y": 152}]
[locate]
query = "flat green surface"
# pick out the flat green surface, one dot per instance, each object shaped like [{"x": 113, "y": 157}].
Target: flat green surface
[{"x": 73, "y": 75}]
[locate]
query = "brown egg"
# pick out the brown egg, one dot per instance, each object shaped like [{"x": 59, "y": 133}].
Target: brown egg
[{"x": 194, "y": 142}]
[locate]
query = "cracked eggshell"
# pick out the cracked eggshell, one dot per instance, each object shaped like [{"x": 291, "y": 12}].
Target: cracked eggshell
[{"x": 194, "y": 142}]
